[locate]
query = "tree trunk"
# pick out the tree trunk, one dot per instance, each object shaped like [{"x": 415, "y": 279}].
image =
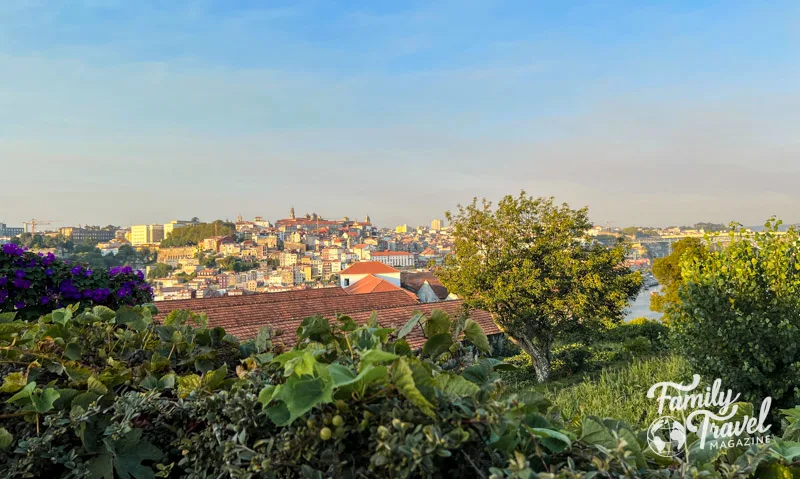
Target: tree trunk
[{"x": 540, "y": 357}]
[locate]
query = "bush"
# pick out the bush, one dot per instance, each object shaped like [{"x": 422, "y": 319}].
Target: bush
[
  {"x": 34, "y": 284},
  {"x": 739, "y": 315},
  {"x": 655, "y": 331},
  {"x": 104, "y": 394},
  {"x": 638, "y": 346}
]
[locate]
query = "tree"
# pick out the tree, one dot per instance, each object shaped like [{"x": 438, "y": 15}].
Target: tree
[
  {"x": 531, "y": 264},
  {"x": 667, "y": 271},
  {"x": 159, "y": 270},
  {"x": 738, "y": 317}
]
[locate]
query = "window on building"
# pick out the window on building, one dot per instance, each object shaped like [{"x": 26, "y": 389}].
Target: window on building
[{"x": 347, "y": 282}]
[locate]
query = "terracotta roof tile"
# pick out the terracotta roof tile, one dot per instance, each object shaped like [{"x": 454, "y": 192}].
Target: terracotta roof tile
[
  {"x": 371, "y": 284},
  {"x": 369, "y": 267},
  {"x": 243, "y": 316}
]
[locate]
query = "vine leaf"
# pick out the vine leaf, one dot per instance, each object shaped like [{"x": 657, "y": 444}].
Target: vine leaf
[
  {"x": 403, "y": 379},
  {"x": 475, "y": 334}
]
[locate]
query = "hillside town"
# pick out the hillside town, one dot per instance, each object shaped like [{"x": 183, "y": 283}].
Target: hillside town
[{"x": 302, "y": 252}]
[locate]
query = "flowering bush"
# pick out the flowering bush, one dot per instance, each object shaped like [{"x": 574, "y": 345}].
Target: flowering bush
[{"x": 33, "y": 284}]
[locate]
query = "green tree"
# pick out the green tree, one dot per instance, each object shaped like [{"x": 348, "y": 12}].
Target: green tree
[
  {"x": 159, "y": 270},
  {"x": 531, "y": 264},
  {"x": 194, "y": 234},
  {"x": 667, "y": 271},
  {"x": 738, "y": 317}
]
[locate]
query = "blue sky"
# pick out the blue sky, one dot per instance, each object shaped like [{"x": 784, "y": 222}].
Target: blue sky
[{"x": 657, "y": 113}]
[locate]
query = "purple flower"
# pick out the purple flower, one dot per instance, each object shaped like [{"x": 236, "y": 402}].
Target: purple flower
[
  {"x": 140, "y": 275},
  {"x": 48, "y": 259},
  {"x": 45, "y": 300},
  {"x": 19, "y": 273},
  {"x": 3, "y": 295},
  {"x": 3, "y": 281},
  {"x": 49, "y": 271},
  {"x": 13, "y": 250},
  {"x": 19, "y": 304},
  {"x": 76, "y": 270},
  {"x": 87, "y": 293},
  {"x": 88, "y": 273},
  {"x": 22, "y": 283}
]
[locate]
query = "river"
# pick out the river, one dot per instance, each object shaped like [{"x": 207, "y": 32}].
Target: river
[{"x": 641, "y": 306}]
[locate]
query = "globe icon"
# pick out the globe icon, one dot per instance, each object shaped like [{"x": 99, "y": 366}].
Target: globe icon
[{"x": 666, "y": 436}]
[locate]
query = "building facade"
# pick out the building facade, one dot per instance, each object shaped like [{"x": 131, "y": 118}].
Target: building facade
[{"x": 147, "y": 234}]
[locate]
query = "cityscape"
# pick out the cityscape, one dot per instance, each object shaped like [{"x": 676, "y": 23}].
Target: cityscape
[{"x": 490, "y": 239}]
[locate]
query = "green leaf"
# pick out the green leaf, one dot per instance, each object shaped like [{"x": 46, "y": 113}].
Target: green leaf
[
  {"x": 105, "y": 314},
  {"x": 437, "y": 323},
  {"x": 7, "y": 317},
  {"x": 453, "y": 385},
  {"x": 73, "y": 351},
  {"x": 212, "y": 379},
  {"x": 132, "y": 318},
  {"x": 263, "y": 339},
  {"x": 299, "y": 395},
  {"x": 94, "y": 385},
  {"x": 24, "y": 393},
  {"x": 475, "y": 334},
  {"x": 774, "y": 471},
  {"x": 44, "y": 402},
  {"x": 593, "y": 432},
  {"x": 341, "y": 375},
  {"x": 410, "y": 325},
  {"x": 6, "y": 439},
  {"x": 61, "y": 316},
  {"x": 403, "y": 379},
  {"x": 188, "y": 384},
  {"x": 297, "y": 362},
  {"x": 126, "y": 455},
  {"x": 377, "y": 356},
  {"x": 7, "y": 330},
  {"x": 786, "y": 450},
  {"x": 437, "y": 345},
  {"x": 554, "y": 440},
  {"x": 13, "y": 382}
]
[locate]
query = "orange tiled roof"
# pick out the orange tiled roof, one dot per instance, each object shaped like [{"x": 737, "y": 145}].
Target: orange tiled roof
[
  {"x": 371, "y": 284},
  {"x": 369, "y": 267},
  {"x": 391, "y": 253},
  {"x": 243, "y": 316}
]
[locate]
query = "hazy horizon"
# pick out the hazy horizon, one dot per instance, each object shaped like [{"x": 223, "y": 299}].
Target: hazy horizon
[{"x": 115, "y": 112}]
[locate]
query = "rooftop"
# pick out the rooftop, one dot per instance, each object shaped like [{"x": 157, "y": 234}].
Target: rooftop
[{"x": 369, "y": 267}]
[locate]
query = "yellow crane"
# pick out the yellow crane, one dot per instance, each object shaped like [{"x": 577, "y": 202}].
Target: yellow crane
[{"x": 33, "y": 223}]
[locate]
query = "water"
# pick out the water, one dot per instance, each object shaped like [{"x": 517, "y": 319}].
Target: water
[{"x": 641, "y": 306}]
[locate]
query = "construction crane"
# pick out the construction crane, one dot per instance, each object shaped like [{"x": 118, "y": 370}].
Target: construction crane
[{"x": 33, "y": 224}]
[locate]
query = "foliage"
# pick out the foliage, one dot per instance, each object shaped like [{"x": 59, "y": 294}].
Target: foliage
[
  {"x": 739, "y": 314},
  {"x": 233, "y": 263},
  {"x": 33, "y": 284},
  {"x": 195, "y": 234},
  {"x": 105, "y": 394},
  {"x": 159, "y": 270},
  {"x": 667, "y": 271},
  {"x": 531, "y": 264}
]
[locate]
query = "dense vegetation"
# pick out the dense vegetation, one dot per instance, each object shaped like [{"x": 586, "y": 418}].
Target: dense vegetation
[
  {"x": 111, "y": 394},
  {"x": 194, "y": 234},
  {"x": 745, "y": 301},
  {"x": 34, "y": 284}
]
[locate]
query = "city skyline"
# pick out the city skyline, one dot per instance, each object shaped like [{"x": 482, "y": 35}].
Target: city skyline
[{"x": 133, "y": 112}]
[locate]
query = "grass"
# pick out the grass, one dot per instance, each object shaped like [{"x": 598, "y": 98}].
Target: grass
[{"x": 618, "y": 391}]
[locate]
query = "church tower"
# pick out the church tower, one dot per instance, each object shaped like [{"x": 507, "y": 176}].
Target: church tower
[
  {"x": 291, "y": 213},
  {"x": 367, "y": 220}
]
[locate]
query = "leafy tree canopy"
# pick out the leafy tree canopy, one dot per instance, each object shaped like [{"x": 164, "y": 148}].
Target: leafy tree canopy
[
  {"x": 530, "y": 263},
  {"x": 194, "y": 234},
  {"x": 667, "y": 271}
]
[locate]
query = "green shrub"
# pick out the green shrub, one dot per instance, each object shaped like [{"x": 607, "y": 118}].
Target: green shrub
[
  {"x": 638, "y": 346},
  {"x": 739, "y": 315},
  {"x": 111, "y": 394}
]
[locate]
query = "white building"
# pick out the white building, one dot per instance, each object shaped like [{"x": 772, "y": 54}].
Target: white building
[
  {"x": 363, "y": 269},
  {"x": 398, "y": 259}
]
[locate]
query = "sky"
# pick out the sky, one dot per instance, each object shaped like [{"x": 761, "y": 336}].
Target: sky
[{"x": 649, "y": 113}]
